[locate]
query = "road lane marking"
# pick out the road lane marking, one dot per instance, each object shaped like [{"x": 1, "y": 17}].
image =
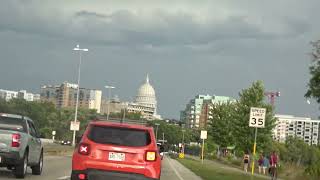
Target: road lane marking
[
  {"x": 64, "y": 178},
  {"x": 174, "y": 169}
]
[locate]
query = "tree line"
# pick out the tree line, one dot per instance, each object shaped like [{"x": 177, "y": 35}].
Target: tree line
[{"x": 47, "y": 117}]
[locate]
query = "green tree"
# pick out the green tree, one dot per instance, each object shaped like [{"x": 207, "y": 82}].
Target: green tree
[
  {"x": 221, "y": 125},
  {"x": 243, "y": 134},
  {"x": 314, "y": 82},
  {"x": 173, "y": 133}
]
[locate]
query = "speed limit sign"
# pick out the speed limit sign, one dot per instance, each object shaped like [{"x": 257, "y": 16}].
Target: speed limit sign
[{"x": 257, "y": 117}]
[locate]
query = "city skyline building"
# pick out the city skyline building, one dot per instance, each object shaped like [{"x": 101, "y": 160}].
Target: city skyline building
[
  {"x": 65, "y": 95},
  {"x": 21, "y": 94},
  {"x": 304, "y": 128},
  {"x": 198, "y": 110}
]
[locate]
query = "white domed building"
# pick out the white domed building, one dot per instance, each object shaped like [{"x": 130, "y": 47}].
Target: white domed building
[{"x": 145, "y": 102}]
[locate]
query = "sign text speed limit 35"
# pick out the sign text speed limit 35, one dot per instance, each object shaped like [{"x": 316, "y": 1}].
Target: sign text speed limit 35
[{"x": 257, "y": 117}]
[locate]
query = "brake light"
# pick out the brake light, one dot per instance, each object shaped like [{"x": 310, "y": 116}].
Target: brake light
[
  {"x": 16, "y": 139},
  {"x": 82, "y": 176},
  {"x": 151, "y": 156},
  {"x": 84, "y": 149}
]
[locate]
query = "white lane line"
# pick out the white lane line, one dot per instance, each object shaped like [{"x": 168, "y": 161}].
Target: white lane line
[
  {"x": 64, "y": 178},
  {"x": 175, "y": 170}
]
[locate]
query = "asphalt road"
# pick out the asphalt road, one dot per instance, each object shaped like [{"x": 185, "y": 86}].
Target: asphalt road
[
  {"x": 59, "y": 168},
  {"x": 54, "y": 168}
]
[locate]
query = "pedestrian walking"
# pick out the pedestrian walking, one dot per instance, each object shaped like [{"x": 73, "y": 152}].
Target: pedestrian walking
[
  {"x": 246, "y": 158},
  {"x": 266, "y": 164},
  {"x": 273, "y": 165},
  {"x": 260, "y": 163}
]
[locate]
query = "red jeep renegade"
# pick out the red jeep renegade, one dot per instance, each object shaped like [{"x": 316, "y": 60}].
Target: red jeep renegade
[{"x": 116, "y": 151}]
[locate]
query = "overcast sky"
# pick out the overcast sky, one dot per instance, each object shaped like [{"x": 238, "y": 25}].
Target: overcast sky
[{"x": 188, "y": 47}]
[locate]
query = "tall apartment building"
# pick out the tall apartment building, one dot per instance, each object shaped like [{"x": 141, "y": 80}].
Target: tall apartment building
[
  {"x": 65, "y": 95},
  {"x": 22, "y": 94},
  {"x": 198, "y": 110},
  {"x": 302, "y": 127}
]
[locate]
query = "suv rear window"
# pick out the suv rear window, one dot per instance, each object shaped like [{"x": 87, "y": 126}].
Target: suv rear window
[
  {"x": 119, "y": 136},
  {"x": 15, "y": 124}
]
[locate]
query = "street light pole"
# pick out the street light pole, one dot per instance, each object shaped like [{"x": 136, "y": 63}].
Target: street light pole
[
  {"x": 183, "y": 140},
  {"x": 77, "y": 48},
  {"x": 157, "y": 124},
  {"x": 109, "y": 95}
]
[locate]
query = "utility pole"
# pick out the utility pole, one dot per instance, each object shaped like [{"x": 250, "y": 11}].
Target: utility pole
[
  {"x": 157, "y": 124},
  {"x": 124, "y": 115},
  {"x": 163, "y": 138}
]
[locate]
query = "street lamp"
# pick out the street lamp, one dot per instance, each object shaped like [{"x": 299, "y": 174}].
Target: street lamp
[
  {"x": 157, "y": 124},
  {"x": 183, "y": 140},
  {"x": 109, "y": 94},
  {"x": 77, "y": 48}
]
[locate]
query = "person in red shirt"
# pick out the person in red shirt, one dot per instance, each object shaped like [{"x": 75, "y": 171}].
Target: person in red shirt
[
  {"x": 273, "y": 165},
  {"x": 273, "y": 159}
]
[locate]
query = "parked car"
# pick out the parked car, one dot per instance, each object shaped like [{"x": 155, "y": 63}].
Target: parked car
[
  {"x": 20, "y": 145},
  {"x": 116, "y": 151}
]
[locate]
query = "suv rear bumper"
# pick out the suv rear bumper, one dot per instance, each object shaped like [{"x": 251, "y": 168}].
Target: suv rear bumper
[
  {"x": 93, "y": 174},
  {"x": 9, "y": 158}
]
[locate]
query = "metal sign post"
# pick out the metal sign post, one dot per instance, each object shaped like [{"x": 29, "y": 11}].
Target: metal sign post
[
  {"x": 203, "y": 136},
  {"x": 257, "y": 120}
]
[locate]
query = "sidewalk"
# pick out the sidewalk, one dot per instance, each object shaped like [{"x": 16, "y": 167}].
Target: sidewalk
[{"x": 173, "y": 170}]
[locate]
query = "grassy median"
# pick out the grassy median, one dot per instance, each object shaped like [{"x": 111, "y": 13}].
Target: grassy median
[
  {"x": 211, "y": 171},
  {"x": 57, "y": 149}
]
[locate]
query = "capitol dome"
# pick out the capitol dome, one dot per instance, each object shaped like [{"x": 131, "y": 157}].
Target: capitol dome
[{"x": 146, "y": 95}]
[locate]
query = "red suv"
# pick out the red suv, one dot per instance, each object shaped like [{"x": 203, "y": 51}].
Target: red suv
[{"x": 116, "y": 151}]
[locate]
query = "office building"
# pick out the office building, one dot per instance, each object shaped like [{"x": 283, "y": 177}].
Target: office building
[{"x": 65, "y": 95}]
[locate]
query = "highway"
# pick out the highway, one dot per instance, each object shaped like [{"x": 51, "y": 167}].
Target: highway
[{"x": 59, "y": 168}]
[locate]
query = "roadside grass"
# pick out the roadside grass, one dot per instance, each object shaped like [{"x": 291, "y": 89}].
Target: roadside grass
[
  {"x": 208, "y": 171},
  {"x": 57, "y": 149}
]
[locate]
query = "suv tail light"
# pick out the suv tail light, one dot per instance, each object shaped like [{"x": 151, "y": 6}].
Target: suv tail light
[
  {"x": 151, "y": 155},
  {"x": 16, "y": 139},
  {"x": 84, "y": 149},
  {"x": 82, "y": 176}
]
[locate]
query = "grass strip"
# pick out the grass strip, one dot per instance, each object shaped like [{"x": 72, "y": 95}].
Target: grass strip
[{"x": 208, "y": 171}]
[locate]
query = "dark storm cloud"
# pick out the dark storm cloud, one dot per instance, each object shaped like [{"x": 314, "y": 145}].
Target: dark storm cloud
[
  {"x": 188, "y": 47},
  {"x": 124, "y": 27}
]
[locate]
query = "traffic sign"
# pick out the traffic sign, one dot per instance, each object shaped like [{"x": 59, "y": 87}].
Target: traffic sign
[
  {"x": 75, "y": 126},
  {"x": 203, "y": 135},
  {"x": 181, "y": 155},
  {"x": 53, "y": 133},
  {"x": 257, "y": 117}
]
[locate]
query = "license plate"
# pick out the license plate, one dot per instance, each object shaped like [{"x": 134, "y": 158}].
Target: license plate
[{"x": 113, "y": 156}]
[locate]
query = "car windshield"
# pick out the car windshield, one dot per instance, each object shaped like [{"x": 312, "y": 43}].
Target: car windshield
[
  {"x": 119, "y": 136},
  {"x": 8, "y": 123}
]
